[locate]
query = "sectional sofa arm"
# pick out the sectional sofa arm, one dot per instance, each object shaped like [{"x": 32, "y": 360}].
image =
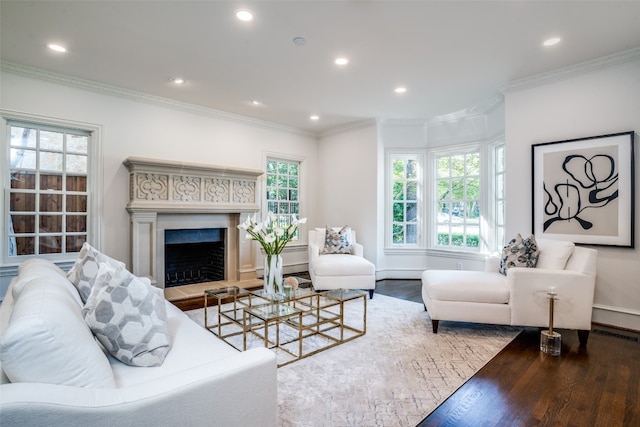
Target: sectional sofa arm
[
  {"x": 213, "y": 394},
  {"x": 528, "y": 288},
  {"x": 314, "y": 251}
]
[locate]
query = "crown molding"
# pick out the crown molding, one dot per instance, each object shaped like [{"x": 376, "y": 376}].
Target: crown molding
[
  {"x": 572, "y": 71},
  {"x": 347, "y": 127},
  {"x": 53, "y": 77}
]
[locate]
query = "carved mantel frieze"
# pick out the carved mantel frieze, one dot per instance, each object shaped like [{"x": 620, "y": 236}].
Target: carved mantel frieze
[{"x": 167, "y": 186}]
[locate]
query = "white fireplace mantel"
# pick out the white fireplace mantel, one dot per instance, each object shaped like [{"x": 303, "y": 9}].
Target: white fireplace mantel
[{"x": 164, "y": 193}]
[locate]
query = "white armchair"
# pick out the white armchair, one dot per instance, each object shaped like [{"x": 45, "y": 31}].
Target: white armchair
[
  {"x": 339, "y": 271},
  {"x": 520, "y": 297}
]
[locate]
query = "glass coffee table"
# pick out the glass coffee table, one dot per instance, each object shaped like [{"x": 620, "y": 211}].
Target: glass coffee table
[{"x": 296, "y": 326}]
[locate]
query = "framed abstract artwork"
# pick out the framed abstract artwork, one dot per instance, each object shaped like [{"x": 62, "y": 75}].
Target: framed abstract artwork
[{"x": 583, "y": 190}]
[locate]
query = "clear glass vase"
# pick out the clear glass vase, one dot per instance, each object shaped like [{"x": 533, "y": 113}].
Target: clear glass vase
[{"x": 273, "y": 276}]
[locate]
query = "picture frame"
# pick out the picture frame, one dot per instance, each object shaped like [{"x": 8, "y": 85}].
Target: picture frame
[{"x": 583, "y": 190}]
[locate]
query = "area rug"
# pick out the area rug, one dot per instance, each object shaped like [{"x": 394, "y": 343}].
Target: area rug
[{"x": 394, "y": 375}]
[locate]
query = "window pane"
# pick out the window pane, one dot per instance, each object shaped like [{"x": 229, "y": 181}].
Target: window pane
[
  {"x": 293, "y": 182},
  {"x": 272, "y": 194},
  {"x": 283, "y": 168},
  {"x": 473, "y": 188},
  {"x": 412, "y": 169},
  {"x": 23, "y": 137},
  {"x": 50, "y": 244},
  {"x": 398, "y": 234},
  {"x": 443, "y": 239},
  {"x": 500, "y": 212},
  {"x": 51, "y": 161},
  {"x": 51, "y": 203},
  {"x": 272, "y": 166},
  {"x": 443, "y": 167},
  {"x": 412, "y": 212},
  {"x": 282, "y": 194},
  {"x": 294, "y": 208},
  {"x": 398, "y": 190},
  {"x": 50, "y": 224},
  {"x": 500, "y": 159},
  {"x": 77, "y": 143},
  {"x": 412, "y": 190},
  {"x": 50, "y": 182},
  {"x": 51, "y": 140},
  {"x": 283, "y": 208},
  {"x": 76, "y": 203},
  {"x": 76, "y": 163},
  {"x": 272, "y": 180},
  {"x": 272, "y": 206},
  {"x": 22, "y": 159},
  {"x": 25, "y": 245},
  {"x": 412, "y": 234},
  {"x": 293, "y": 195},
  {"x": 76, "y": 223},
  {"x": 23, "y": 180},
  {"x": 76, "y": 183},
  {"x": 22, "y": 202},
  {"x": 282, "y": 181},
  {"x": 293, "y": 169},
  {"x": 457, "y": 188},
  {"x": 500, "y": 185},
  {"x": 473, "y": 237},
  {"x": 443, "y": 189},
  {"x": 398, "y": 212},
  {"x": 23, "y": 223},
  {"x": 457, "y": 165},
  {"x": 398, "y": 169},
  {"x": 473, "y": 164},
  {"x": 74, "y": 243}
]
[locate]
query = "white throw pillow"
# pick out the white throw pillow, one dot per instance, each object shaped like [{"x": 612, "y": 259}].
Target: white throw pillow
[
  {"x": 128, "y": 317},
  {"x": 554, "y": 254},
  {"x": 85, "y": 269},
  {"x": 47, "y": 341}
]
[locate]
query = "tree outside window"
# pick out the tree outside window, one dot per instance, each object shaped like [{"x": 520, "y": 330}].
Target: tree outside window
[
  {"x": 405, "y": 187},
  {"x": 283, "y": 190},
  {"x": 458, "y": 200}
]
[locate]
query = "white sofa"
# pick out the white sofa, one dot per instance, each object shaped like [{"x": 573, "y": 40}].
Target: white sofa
[
  {"x": 518, "y": 298},
  {"x": 202, "y": 381},
  {"x": 339, "y": 271}
]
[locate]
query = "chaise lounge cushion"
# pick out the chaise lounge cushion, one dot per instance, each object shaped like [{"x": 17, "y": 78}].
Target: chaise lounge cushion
[
  {"x": 342, "y": 265},
  {"x": 468, "y": 286}
]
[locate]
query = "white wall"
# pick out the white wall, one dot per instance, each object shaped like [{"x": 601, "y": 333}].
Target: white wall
[
  {"x": 137, "y": 128},
  {"x": 597, "y": 103},
  {"x": 347, "y": 184}
]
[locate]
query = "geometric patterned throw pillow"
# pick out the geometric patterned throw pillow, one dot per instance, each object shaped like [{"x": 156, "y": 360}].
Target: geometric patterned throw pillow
[
  {"x": 337, "y": 242},
  {"x": 128, "y": 317},
  {"x": 519, "y": 252},
  {"x": 85, "y": 269}
]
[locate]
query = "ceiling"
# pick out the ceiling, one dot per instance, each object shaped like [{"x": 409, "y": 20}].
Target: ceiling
[{"x": 450, "y": 55}]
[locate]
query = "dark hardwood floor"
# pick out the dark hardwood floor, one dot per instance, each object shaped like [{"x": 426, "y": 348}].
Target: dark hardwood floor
[{"x": 596, "y": 385}]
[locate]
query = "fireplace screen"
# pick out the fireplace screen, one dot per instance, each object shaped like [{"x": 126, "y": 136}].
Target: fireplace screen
[{"x": 194, "y": 256}]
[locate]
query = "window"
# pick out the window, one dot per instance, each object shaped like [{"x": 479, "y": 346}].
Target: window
[
  {"x": 405, "y": 194},
  {"x": 499, "y": 192},
  {"x": 48, "y": 189},
  {"x": 457, "y": 203},
  {"x": 283, "y": 189}
]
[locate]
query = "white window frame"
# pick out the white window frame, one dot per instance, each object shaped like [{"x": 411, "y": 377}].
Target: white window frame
[
  {"x": 94, "y": 182},
  {"x": 302, "y": 191},
  {"x": 390, "y": 156},
  {"x": 496, "y": 239}
]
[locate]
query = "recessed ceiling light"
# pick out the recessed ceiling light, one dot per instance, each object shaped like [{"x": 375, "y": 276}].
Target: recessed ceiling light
[
  {"x": 178, "y": 80},
  {"x": 57, "y": 47},
  {"x": 314, "y": 117},
  {"x": 244, "y": 15},
  {"x": 552, "y": 41},
  {"x": 342, "y": 61},
  {"x": 256, "y": 102},
  {"x": 400, "y": 89},
  {"x": 299, "y": 41}
]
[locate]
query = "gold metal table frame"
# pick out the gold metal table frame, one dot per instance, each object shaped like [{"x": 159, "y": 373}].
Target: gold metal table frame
[{"x": 306, "y": 313}]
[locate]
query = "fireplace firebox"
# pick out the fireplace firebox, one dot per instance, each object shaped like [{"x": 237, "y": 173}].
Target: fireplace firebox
[{"x": 194, "y": 256}]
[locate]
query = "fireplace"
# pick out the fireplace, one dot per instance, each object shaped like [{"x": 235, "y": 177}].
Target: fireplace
[
  {"x": 194, "y": 256},
  {"x": 167, "y": 195}
]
